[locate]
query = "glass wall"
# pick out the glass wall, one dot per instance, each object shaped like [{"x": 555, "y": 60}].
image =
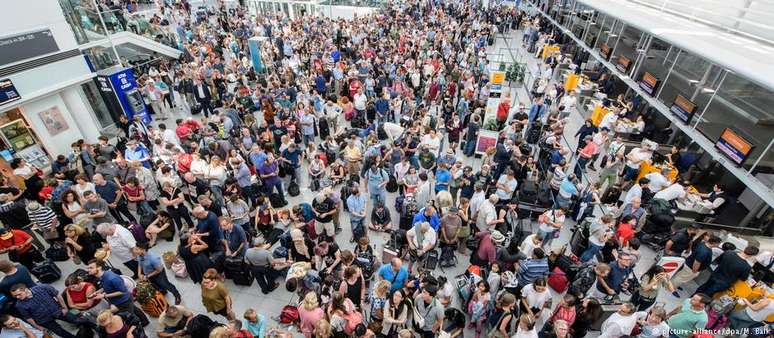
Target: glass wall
[{"x": 84, "y": 19}]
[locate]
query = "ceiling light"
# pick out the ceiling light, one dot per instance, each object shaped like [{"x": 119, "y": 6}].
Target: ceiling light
[
  {"x": 592, "y": 23},
  {"x": 707, "y": 90},
  {"x": 693, "y": 81},
  {"x": 613, "y": 35}
]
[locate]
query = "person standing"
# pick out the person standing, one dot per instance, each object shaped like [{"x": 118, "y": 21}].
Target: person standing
[
  {"x": 261, "y": 263},
  {"x": 732, "y": 266},
  {"x": 120, "y": 242},
  {"x": 685, "y": 319},
  {"x": 215, "y": 295},
  {"x": 114, "y": 290},
  {"x": 431, "y": 310},
  {"x": 151, "y": 269},
  {"x": 357, "y": 205},
  {"x": 698, "y": 261}
]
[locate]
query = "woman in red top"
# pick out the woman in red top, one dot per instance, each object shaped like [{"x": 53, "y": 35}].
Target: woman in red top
[
  {"x": 136, "y": 194},
  {"x": 78, "y": 296},
  {"x": 18, "y": 245},
  {"x": 625, "y": 230}
]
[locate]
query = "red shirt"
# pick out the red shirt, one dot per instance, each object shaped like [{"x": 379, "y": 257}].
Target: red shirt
[
  {"x": 243, "y": 333},
  {"x": 183, "y": 131},
  {"x": 18, "y": 238},
  {"x": 487, "y": 251},
  {"x": 625, "y": 233}
]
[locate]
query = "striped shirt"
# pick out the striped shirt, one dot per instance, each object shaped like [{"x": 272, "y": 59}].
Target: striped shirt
[
  {"x": 532, "y": 269},
  {"x": 43, "y": 217}
]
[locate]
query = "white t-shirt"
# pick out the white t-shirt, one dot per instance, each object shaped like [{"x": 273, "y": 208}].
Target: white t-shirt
[
  {"x": 634, "y": 191},
  {"x": 429, "y": 237},
  {"x": 360, "y": 101},
  {"x": 553, "y": 218},
  {"x": 535, "y": 299},
  {"x": 121, "y": 244},
  {"x": 618, "y": 325},
  {"x": 657, "y": 181},
  {"x": 528, "y": 245},
  {"x": 486, "y": 213},
  {"x": 511, "y": 185},
  {"x": 672, "y": 192},
  {"x": 638, "y": 155}
]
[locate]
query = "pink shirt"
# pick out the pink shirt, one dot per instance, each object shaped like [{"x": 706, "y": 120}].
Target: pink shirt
[{"x": 309, "y": 319}]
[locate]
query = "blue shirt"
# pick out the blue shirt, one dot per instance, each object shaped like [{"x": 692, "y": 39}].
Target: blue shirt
[
  {"x": 434, "y": 221},
  {"x": 700, "y": 253},
  {"x": 532, "y": 269},
  {"x": 568, "y": 187},
  {"x": 294, "y": 157},
  {"x": 137, "y": 154},
  {"x": 382, "y": 106},
  {"x": 375, "y": 179},
  {"x": 107, "y": 191},
  {"x": 356, "y": 203},
  {"x": 42, "y": 307},
  {"x": 111, "y": 282},
  {"x": 235, "y": 237},
  {"x": 397, "y": 278},
  {"x": 536, "y": 112},
  {"x": 442, "y": 179},
  {"x": 256, "y": 329},
  {"x": 320, "y": 84},
  {"x": 616, "y": 277},
  {"x": 210, "y": 225},
  {"x": 149, "y": 262},
  {"x": 257, "y": 158}
]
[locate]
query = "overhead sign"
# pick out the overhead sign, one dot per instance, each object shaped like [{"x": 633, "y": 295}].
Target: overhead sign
[
  {"x": 8, "y": 92},
  {"x": 648, "y": 83},
  {"x": 683, "y": 109},
  {"x": 19, "y": 47},
  {"x": 734, "y": 146}
]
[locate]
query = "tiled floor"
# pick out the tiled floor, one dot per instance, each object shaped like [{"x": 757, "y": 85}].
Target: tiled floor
[{"x": 270, "y": 305}]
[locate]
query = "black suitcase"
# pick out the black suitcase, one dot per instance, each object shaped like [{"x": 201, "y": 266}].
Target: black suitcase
[
  {"x": 47, "y": 272},
  {"x": 579, "y": 239},
  {"x": 431, "y": 260},
  {"x": 57, "y": 252},
  {"x": 237, "y": 270},
  {"x": 448, "y": 258}
]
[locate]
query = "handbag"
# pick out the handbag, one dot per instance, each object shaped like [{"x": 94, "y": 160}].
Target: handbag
[{"x": 419, "y": 321}]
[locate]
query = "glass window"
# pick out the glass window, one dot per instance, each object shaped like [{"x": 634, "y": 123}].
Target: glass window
[{"x": 98, "y": 106}]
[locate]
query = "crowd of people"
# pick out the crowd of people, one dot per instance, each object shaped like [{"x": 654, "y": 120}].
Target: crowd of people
[{"x": 345, "y": 113}]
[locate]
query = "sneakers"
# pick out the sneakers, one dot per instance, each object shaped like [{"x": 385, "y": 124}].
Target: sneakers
[{"x": 676, "y": 294}]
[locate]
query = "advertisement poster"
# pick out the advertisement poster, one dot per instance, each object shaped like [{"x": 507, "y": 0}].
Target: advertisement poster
[
  {"x": 53, "y": 120},
  {"x": 490, "y": 111},
  {"x": 485, "y": 140}
]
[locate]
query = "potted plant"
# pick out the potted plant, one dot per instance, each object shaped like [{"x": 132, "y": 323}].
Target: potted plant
[{"x": 515, "y": 73}]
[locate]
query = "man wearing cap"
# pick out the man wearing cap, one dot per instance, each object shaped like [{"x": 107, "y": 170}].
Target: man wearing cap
[
  {"x": 18, "y": 245},
  {"x": 261, "y": 263},
  {"x": 486, "y": 254}
]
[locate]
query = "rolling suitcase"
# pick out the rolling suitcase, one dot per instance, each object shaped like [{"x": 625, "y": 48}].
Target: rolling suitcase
[
  {"x": 580, "y": 238},
  {"x": 47, "y": 272},
  {"x": 431, "y": 260},
  {"x": 237, "y": 271}
]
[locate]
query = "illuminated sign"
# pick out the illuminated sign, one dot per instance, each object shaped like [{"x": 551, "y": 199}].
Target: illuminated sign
[
  {"x": 734, "y": 146},
  {"x": 683, "y": 109},
  {"x": 604, "y": 51},
  {"x": 648, "y": 83},
  {"x": 623, "y": 64}
]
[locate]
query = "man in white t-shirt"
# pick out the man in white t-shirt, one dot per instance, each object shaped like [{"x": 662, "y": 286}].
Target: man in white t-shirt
[
  {"x": 658, "y": 180},
  {"x": 487, "y": 213},
  {"x": 674, "y": 191},
  {"x": 530, "y": 243},
  {"x": 633, "y": 161},
  {"x": 621, "y": 323},
  {"x": 360, "y": 101},
  {"x": 120, "y": 242},
  {"x": 506, "y": 185},
  {"x": 535, "y": 296}
]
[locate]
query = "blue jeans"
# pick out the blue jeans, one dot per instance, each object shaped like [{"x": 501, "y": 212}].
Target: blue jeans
[
  {"x": 548, "y": 237},
  {"x": 580, "y": 166},
  {"x": 470, "y": 147},
  {"x": 163, "y": 284},
  {"x": 270, "y": 188},
  {"x": 590, "y": 252},
  {"x": 378, "y": 196},
  {"x": 69, "y": 317}
]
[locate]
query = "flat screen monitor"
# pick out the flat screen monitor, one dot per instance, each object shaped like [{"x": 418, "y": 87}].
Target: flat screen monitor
[
  {"x": 604, "y": 51},
  {"x": 649, "y": 83},
  {"x": 623, "y": 64},
  {"x": 734, "y": 146},
  {"x": 683, "y": 109}
]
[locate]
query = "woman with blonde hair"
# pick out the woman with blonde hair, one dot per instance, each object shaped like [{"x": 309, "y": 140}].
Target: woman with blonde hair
[
  {"x": 310, "y": 313},
  {"x": 216, "y": 174},
  {"x": 122, "y": 325},
  {"x": 379, "y": 297},
  {"x": 443, "y": 201},
  {"x": 322, "y": 329},
  {"x": 79, "y": 246}
]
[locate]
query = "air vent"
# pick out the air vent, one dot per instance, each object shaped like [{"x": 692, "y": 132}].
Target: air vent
[{"x": 27, "y": 65}]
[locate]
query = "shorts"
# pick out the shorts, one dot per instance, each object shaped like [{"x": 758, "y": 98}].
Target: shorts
[
  {"x": 223, "y": 312},
  {"x": 327, "y": 227}
]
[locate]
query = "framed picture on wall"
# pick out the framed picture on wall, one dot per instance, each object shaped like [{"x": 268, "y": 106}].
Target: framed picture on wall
[{"x": 53, "y": 120}]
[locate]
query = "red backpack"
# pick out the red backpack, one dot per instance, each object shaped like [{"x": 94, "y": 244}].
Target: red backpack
[
  {"x": 289, "y": 315},
  {"x": 557, "y": 280}
]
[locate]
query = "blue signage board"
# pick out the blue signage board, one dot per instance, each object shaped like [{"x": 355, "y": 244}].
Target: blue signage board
[
  {"x": 128, "y": 94},
  {"x": 8, "y": 92},
  {"x": 255, "y": 53}
]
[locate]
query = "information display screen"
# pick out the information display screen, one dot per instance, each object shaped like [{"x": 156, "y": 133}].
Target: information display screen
[
  {"x": 734, "y": 146},
  {"x": 683, "y": 109},
  {"x": 649, "y": 83},
  {"x": 623, "y": 64}
]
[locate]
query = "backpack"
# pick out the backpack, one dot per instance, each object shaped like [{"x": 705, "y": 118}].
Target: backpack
[
  {"x": 293, "y": 189},
  {"x": 138, "y": 232},
  {"x": 289, "y": 315},
  {"x": 200, "y": 326},
  {"x": 583, "y": 280},
  {"x": 448, "y": 259},
  {"x": 557, "y": 280},
  {"x": 57, "y": 252}
]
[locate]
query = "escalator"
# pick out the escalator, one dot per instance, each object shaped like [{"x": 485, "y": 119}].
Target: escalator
[{"x": 133, "y": 49}]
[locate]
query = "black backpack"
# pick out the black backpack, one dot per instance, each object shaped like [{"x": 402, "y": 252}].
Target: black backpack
[
  {"x": 448, "y": 258},
  {"x": 293, "y": 189},
  {"x": 57, "y": 252}
]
